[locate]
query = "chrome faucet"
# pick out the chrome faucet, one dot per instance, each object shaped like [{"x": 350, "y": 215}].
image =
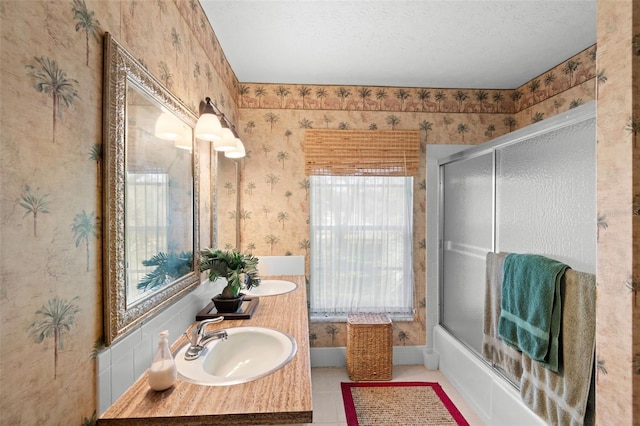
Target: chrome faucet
[{"x": 199, "y": 338}]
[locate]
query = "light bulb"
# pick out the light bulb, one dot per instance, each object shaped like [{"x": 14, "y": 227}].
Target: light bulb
[
  {"x": 237, "y": 152},
  {"x": 227, "y": 142},
  {"x": 208, "y": 128}
]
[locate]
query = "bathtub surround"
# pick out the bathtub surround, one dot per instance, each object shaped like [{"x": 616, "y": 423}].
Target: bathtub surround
[
  {"x": 556, "y": 150},
  {"x": 494, "y": 399}
]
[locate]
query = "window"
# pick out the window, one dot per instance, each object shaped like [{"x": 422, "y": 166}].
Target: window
[
  {"x": 361, "y": 246},
  {"x": 147, "y": 196}
]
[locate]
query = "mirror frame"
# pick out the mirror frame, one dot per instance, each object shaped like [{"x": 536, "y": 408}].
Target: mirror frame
[{"x": 119, "y": 68}]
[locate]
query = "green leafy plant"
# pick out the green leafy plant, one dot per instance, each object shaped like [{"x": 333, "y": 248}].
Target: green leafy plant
[
  {"x": 168, "y": 268},
  {"x": 240, "y": 270}
]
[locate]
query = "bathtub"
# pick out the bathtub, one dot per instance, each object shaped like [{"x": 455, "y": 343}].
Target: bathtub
[{"x": 493, "y": 398}]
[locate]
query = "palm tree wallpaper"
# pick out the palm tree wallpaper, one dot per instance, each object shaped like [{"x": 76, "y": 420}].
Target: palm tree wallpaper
[
  {"x": 51, "y": 178},
  {"x": 34, "y": 205},
  {"x": 54, "y": 320},
  {"x": 50, "y": 79},
  {"x": 86, "y": 22},
  {"x": 85, "y": 227},
  {"x": 276, "y": 209}
]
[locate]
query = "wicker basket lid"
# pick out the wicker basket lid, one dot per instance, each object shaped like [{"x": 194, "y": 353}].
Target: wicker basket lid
[{"x": 368, "y": 318}]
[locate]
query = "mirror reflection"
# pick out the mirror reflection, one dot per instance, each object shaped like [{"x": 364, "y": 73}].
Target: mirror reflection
[
  {"x": 158, "y": 196},
  {"x": 151, "y": 187}
]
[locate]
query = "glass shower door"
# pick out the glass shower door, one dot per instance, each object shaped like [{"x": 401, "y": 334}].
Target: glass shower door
[{"x": 467, "y": 211}]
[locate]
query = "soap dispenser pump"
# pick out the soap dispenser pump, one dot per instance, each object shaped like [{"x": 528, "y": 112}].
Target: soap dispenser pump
[{"x": 163, "y": 371}]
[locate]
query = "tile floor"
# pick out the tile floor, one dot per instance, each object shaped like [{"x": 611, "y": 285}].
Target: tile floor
[{"x": 328, "y": 408}]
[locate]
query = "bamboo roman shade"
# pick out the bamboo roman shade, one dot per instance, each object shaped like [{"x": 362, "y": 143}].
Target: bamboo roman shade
[{"x": 361, "y": 152}]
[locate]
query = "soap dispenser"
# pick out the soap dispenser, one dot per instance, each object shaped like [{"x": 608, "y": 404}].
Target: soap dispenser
[{"x": 163, "y": 371}]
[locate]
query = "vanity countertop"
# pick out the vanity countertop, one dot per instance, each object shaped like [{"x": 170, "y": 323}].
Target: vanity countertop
[{"x": 283, "y": 397}]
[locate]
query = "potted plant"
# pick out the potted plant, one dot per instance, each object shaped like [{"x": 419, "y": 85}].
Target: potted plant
[{"x": 240, "y": 271}]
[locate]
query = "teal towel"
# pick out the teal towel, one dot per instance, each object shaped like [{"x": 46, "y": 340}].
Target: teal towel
[{"x": 531, "y": 306}]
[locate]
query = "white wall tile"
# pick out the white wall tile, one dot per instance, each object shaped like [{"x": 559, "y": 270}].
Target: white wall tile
[
  {"x": 104, "y": 390},
  {"x": 126, "y": 344},
  {"x": 122, "y": 375},
  {"x": 281, "y": 265},
  {"x": 143, "y": 354},
  {"x": 120, "y": 365}
]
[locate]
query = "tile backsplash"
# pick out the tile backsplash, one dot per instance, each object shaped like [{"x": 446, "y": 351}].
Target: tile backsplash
[{"x": 120, "y": 364}]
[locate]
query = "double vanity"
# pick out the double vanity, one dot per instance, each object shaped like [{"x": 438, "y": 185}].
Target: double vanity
[
  {"x": 259, "y": 374},
  {"x": 247, "y": 369}
]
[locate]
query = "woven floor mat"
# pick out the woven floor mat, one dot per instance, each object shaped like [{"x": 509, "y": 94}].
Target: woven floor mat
[{"x": 398, "y": 403}]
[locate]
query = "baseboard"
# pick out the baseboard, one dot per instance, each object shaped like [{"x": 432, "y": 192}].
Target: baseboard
[{"x": 337, "y": 357}]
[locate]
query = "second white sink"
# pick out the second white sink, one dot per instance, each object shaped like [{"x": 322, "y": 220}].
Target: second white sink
[{"x": 272, "y": 288}]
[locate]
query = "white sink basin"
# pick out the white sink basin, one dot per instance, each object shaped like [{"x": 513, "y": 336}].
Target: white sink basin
[
  {"x": 247, "y": 354},
  {"x": 272, "y": 288}
]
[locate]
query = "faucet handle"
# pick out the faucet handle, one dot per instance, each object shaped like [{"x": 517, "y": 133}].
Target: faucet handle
[
  {"x": 197, "y": 339},
  {"x": 202, "y": 324}
]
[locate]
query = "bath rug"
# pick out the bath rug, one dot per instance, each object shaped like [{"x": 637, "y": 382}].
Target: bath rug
[{"x": 398, "y": 403}]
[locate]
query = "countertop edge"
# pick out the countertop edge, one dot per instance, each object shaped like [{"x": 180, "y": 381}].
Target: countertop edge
[
  {"x": 136, "y": 407},
  {"x": 298, "y": 417}
]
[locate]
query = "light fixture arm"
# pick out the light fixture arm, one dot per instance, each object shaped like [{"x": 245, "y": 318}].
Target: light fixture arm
[
  {"x": 219, "y": 130},
  {"x": 234, "y": 131},
  {"x": 208, "y": 107}
]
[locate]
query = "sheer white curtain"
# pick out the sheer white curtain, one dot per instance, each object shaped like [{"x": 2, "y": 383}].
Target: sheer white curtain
[
  {"x": 147, "y": 201},
  {"x": 361, "y": 245}
]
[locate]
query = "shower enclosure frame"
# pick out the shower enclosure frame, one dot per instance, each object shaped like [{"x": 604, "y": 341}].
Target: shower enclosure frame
[{"x": 469, "y": 368}]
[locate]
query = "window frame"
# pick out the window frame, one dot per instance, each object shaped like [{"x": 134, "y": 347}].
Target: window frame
[{"x": 406, "y": 312}]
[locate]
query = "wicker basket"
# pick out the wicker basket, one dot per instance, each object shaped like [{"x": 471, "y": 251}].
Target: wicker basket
[{"x": 369, "y": 347}]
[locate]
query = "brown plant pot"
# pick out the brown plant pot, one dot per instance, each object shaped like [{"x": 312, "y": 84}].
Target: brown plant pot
[{"x": 228, "y": 306}]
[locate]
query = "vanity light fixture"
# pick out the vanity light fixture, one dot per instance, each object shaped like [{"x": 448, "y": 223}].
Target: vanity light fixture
[
  {"x": 208, "y": 127},
  {"x": 214, "y": 127},
  {"x": 228, "y": 140},
  {"x": 238, "y": 151}
]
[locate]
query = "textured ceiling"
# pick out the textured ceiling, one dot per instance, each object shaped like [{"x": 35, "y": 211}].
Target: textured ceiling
[{"x": 408, "y": 43}]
